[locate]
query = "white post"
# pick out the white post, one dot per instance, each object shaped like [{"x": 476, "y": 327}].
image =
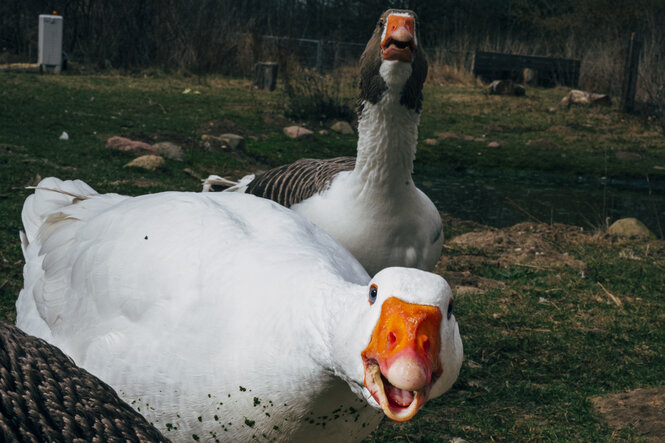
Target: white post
[{"x": 50, "y": 42}]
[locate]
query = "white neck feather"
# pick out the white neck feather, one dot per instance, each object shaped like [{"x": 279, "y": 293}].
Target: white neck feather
[
  {"x": 347, "y": 323},
  {"x": 387, "y": 135}
]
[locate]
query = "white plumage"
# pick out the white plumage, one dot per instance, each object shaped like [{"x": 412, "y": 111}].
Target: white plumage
[{"x": 223, "y": 315}]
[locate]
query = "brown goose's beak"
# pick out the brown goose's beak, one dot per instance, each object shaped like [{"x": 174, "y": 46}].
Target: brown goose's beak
[
  {"x": 399, "y": 42},
  {"x": 402, "y": 358}
]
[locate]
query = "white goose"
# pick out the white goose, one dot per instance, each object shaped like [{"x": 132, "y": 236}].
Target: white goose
[
  {"x": 370, "y": 203},
  {"x": 226, "y": 315}
]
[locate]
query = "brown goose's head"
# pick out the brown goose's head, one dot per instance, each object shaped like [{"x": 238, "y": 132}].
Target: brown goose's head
[{"x": 394, "y": 42}]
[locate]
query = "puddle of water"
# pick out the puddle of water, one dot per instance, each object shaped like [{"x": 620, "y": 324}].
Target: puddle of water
[{"x": 505, "y": 201}]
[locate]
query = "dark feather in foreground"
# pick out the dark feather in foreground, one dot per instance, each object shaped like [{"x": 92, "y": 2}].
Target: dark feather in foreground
[
  {"x": 297, "y": 181},
  {"x": 44, "y": 396}
]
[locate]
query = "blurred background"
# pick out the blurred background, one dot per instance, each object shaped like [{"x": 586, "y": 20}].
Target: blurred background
[{"x": 229, "y": 37}]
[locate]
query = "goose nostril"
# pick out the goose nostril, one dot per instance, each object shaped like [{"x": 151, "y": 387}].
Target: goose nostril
[
  {"x": 426, "y": 345},
  {"x": 392, "y": 338}
]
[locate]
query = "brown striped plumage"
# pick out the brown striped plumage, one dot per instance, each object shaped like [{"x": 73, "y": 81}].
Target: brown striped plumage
[
  {"x": 44, "y": 396},
  {"x": 297, "y": 181}
]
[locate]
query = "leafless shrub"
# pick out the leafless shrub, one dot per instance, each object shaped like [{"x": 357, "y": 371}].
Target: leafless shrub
[
  {"x": 450, "y": 67},
  {"x": 310, "y": 95},
  {"x": 601, "y": 69}
]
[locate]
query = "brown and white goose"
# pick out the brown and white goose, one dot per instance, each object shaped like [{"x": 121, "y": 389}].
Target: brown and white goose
[{"x": 369, "y": 203}]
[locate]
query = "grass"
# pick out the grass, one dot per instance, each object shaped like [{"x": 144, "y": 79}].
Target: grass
[
  {"x": 582, "y": 141},
  {"x": 536, "y": 351},
  {"x": 530, "y": 365}
]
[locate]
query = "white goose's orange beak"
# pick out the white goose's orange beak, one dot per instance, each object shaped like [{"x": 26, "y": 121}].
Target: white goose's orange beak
[
  {"x": 402, "y": 358},
  {"x": 399, "y": 42}
]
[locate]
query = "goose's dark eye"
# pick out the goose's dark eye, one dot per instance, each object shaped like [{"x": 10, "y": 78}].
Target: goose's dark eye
[
  {"x": 373, "y": 291},
  {"x": 451, "y": 305},
  {"x": 381, "y": 23}
]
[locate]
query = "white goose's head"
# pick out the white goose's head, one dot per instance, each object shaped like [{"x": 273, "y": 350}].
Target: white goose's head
[
  {"x": 412, "y": 346},
  {"x": 394, "y": 59}
]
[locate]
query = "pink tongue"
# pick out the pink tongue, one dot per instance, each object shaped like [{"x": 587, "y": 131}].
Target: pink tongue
[{"x": 399, "y": 396}]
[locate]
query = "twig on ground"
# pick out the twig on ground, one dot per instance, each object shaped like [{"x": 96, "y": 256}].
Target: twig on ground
[
  {"x": 519, "y": 208},
  {"x": 613, "y": 297},
  {"x": 191, "y": 173},
  {"x": 524, "y": 265},
  {"x": 153, "y": 103}
]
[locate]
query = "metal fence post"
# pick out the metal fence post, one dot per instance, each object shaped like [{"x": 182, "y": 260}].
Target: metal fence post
[
  {"x": 319, "y": 56},
  {"x": 630, "y": 74}
]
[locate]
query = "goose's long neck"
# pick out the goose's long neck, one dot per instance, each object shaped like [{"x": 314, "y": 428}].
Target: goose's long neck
[
  {"x": 340, "y": 321},
  {"x": 387, "y": 137}
]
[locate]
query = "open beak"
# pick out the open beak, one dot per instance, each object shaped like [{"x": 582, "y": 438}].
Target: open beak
[
  {"x": 402, "y": 358},
  {"x": 399, "y": 42}
]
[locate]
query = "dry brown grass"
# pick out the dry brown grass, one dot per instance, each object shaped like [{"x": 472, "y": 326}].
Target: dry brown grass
[{"x": 444, "y": 68}]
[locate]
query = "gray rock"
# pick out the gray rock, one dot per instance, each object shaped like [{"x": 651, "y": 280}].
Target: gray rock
[
  {"x": 298, "y": 132},
  {"x": 529, "y": 76},
  {"x": 630, "y": 228},
  {"x": 213, "y": 142},
  {"x": 149, "y": 162},
  {"x": 577, "y": 97},
  {"x": 169, "y": 150},
  {"x": 132, "y": 146},
  {"x": 342, "y": 127},
  {"x": 506, "y": 87},
  {"x": 233, "y": 141}
]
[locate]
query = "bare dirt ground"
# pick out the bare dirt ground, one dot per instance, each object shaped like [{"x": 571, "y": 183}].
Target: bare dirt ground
[
  {"x": 643, "y": 409},
  {"x": 525, "y": 244}
]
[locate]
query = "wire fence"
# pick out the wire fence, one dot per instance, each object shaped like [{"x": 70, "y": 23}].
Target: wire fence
[
  {"x": 601, "y": 69},
  {"x": 322, "y": 55}
]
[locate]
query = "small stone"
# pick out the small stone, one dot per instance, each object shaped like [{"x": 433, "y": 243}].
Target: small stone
[
  {"x": 224, "y": 141},
  {"x": 506, "y": 87},
  {"x": 630, "y": 227},
  {"x": 149, "y": 162},
  {"x": 212, "y": 142},
  {"x": 324, "y": 132},
  {"x": 431, "y": 141},
  {"x": 577, "y": 97},
  {"x": 342, "y": 127},
  {"x": 134, "y": 147},
  {"x": 298, "y": 132},
  {"x": 169, "y": 150},
  {"x": 494, "y": 145},
  {"x": 233, "y": 141},
  {"x": 519, "y": 90},
  {"x": 448, "y": 135}
]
